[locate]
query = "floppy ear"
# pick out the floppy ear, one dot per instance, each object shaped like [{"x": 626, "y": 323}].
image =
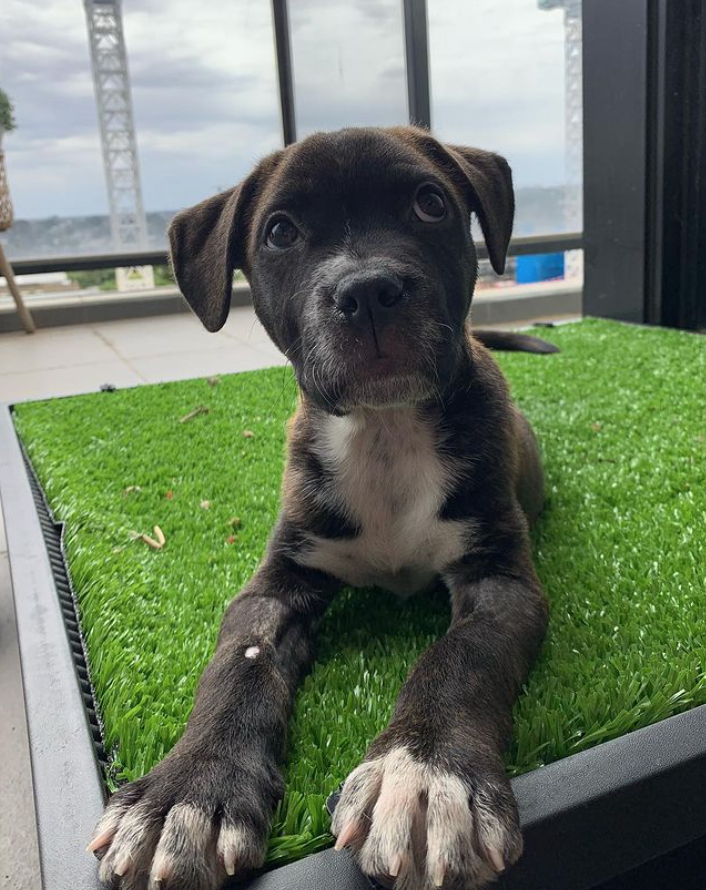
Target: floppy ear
[
  {"x": 486, "y": 181},
  {"x": 492, "y": 197},
  {"x": 206, "y": 246}
]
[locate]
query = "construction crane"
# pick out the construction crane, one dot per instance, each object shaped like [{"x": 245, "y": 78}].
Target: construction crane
[
  {"x": 573, "y": 124},
  {"x": 128, "y": 224}
]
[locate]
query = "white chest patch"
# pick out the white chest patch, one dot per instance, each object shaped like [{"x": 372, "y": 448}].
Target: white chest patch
[{"x": 391, "y": 482}]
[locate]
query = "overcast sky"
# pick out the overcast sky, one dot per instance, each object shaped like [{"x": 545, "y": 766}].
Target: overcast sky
[{"x": 205, "y": 92}]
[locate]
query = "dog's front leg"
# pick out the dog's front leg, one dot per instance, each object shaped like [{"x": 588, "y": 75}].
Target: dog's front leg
[
  {"x": 432, "y": 805},
  {"x": 203, "y": 813}
]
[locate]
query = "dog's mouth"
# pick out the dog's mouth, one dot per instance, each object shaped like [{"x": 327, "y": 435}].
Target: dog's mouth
[
  {"x": 379, "y": 381},
  {"x": 380, "y": 367},
  {"x": 380, "y": 391}
]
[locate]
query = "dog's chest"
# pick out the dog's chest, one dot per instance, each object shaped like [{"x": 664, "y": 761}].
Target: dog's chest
[{"x": 391, "y": 482}]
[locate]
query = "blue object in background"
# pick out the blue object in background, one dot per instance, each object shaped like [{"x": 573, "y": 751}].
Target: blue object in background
[{"x": 539, "y": 267}]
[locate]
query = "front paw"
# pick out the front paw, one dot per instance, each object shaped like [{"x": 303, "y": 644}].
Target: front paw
[
  {"x": 188, "y": 825},
  {"x": 428, "y": 824}
]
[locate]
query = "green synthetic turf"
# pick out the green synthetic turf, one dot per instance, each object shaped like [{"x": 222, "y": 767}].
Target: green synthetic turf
[{"x": 621, "y": 417}]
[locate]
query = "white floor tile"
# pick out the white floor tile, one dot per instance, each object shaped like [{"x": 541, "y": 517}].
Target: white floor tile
[
  {"x": 46, "y": 384},
  {"x": 52, "y": 348},
  {"x": 185, "y": 365},
  {"x": 162, "y": 335},
  {"x": 244, "y": 325}
]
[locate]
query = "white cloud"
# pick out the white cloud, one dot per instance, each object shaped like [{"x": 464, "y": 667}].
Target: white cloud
[
  {"x": 348, "y": 63},
  {"x": 497, "y": 75},
  {"x": 205, "y": 90}
]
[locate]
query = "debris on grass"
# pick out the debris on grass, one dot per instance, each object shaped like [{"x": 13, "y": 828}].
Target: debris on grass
[
  {"x": 205, "y": 505},
  {"x": 169, "y": 494},
  {"x": 131, "y": 489},
  {"x": 155, "y": 545},
  {"x": 236, "y": 521},
  {"x": 213, "y": 381},
  {"x": 248, "y": 434},
  {"x": 197, "y": 412},
  {"x": 231, "y": 539}
]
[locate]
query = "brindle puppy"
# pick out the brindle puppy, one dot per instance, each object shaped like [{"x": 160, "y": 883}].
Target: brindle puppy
[{"x": 407, "y": 464}]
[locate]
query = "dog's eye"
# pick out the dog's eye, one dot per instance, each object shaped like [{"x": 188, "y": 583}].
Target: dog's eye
[
  {"x": 429, "y": 204},
  {"x": 281, "y": 234}
]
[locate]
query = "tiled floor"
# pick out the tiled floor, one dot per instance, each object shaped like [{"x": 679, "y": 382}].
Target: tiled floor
[{"x": 64, "y": 361}]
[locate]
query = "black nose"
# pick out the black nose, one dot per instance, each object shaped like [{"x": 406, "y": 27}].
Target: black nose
[{"x": 369, "y": 297}]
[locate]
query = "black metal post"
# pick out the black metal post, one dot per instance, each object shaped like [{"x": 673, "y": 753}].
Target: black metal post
[
  {"x": 615, "y": 38},
  {"x": 676, "y": 143},
  {"x": 417, "y": 59},
  {"x": 283, "y": 49}
]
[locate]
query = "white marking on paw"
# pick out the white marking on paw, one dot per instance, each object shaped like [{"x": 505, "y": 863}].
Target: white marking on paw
[
  {"x": 185, "y": 848},
  {"x": 252, "y": 651},
  {"x": 409, "y": 807},
  {"x": 133, "y": 843},
  {"x": 449, "y": 826}
]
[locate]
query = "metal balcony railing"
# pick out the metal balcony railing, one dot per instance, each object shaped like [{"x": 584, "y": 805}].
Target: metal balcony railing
[{"x": 522, "y": 246}]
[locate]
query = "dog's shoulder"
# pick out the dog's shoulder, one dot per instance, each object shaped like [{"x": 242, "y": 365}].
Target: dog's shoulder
[
  {"x": 478, "y": 411},
  {"x": 486, "y": 373}
]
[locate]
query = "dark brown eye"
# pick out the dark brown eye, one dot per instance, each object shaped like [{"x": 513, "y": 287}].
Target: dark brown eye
[
  {"x": 281, "y": 234},
  {"x": 429, "y": 204}
]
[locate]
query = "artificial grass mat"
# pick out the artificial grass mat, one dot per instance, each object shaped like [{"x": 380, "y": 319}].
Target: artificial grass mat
[{"x": 620, "y": 415}]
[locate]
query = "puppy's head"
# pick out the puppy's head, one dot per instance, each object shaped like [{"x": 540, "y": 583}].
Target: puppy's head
[{"x": 357, "y": 246}]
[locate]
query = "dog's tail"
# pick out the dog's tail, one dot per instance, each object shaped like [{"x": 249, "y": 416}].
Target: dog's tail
[{"x": 506, "y": 341}]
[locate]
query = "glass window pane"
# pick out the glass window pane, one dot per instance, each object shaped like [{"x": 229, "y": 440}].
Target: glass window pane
[
  {"x": 348, "y": 61},
  {"x": 506, "y": 76},
  {"x": 205, "y": 105}
]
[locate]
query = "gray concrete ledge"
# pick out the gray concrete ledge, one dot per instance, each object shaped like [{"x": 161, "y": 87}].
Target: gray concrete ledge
[
  {"x": 110, "y": 306},
  {"x": 529, "y": 302},
  {"x": 522, "y": 303}
]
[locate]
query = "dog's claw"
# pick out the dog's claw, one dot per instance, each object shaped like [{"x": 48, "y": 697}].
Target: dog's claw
[
  {"x": 229, "y": 860},
  {"x": 122, "y": 866},
  {"x": 496, "y": 859},
  {"x": 156, "y": 879},
  {"x": 100, "y": 840},
  {"x": 348, "y": 833},
  {"x": 395, "y": 865},
  {"x": 437, "y": 878}
]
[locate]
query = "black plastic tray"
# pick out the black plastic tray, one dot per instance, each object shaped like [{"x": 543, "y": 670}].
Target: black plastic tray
[{"x": 586, "y": 818}]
